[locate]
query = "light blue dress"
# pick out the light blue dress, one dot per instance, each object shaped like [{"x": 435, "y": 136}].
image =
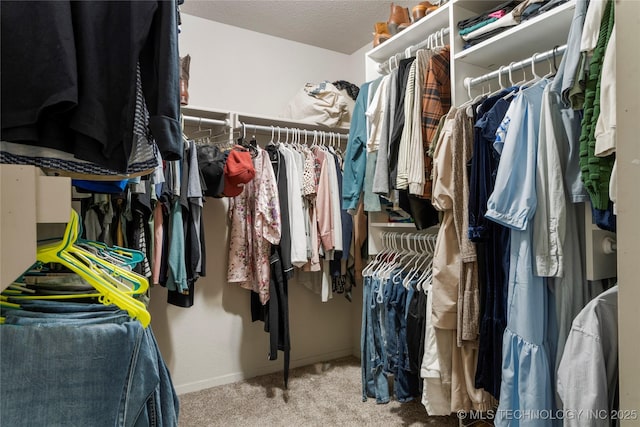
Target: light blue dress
[{"x": 526, "y": 387}]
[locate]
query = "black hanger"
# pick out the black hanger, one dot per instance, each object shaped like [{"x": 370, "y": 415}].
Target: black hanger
[{"x": 251, "y": 146}]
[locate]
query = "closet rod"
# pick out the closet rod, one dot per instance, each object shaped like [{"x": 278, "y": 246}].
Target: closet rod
[
  {"x": 270, "y": 129},
  {"x": 384, "y": 66},
  {"x": 470, "y": 82},
  {"x": 426, "y": 233},
  {"x": 203, "y": 121}
]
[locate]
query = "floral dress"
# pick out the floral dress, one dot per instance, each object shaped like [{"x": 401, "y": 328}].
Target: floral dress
[{"x": 255, "y": 225}]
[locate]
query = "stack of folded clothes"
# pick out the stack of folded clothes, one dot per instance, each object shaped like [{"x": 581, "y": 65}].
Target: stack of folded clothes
[{"x": 500, "y": 18}]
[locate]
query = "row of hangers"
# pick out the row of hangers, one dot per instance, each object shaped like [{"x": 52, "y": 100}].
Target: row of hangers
[
  {"x": 433, "y": 42},
  {"x": 405, "y": 252},
  {"x": 318, "y": 139},
  {"x": 324, "y": 138},
  {"x": 107, "y": 269},
  {"x": 525, "y": 82}
]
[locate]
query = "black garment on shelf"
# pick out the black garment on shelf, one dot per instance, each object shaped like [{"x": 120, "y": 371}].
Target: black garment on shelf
[
  {"x": 275, "y": 314},
  {"x": 469, "y": 22},
  {"x": 351, "y": 89},
  {"x": 68, "y": 76},
  {"x": 421, "y": 210}
]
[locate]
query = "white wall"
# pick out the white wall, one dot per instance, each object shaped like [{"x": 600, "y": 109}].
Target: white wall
[
  {"x": 244, "y": 71},
  {"x": 214, "y": 342}
]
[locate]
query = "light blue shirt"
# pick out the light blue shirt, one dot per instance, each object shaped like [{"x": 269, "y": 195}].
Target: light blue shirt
[{"x": 526, "y": 372}]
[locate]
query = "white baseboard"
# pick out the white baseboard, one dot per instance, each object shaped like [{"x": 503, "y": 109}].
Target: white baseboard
[{"x": 275, "y": 366}]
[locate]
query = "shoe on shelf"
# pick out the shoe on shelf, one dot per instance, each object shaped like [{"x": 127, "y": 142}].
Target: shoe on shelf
[
  {"x": 422, "y": 9},
  {"x": 399, "y": 19},
  {"x": 381, "y": 33}
]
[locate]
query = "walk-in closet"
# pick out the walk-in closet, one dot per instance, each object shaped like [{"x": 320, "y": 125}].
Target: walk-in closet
[{"x": 331, "y": 213}]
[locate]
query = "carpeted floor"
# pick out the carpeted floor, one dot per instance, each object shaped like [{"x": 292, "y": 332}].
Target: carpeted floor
[{"x": 323, "y": 394}]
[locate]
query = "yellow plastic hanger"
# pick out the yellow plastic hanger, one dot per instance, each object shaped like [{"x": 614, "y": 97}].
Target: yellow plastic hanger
[{"x": 82, "y": 263}]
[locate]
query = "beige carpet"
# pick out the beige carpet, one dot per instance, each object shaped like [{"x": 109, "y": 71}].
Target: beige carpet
[{"x": 323, "y": 394}]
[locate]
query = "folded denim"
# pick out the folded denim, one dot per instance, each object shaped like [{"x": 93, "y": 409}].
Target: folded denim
[{"x": 108, "y": 373}]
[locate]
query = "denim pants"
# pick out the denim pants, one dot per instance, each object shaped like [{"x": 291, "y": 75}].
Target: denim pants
[
  {"x": 374, "y": 380},
  {"x": 396, "y": 301},
  {"x": 103, "y": 369}
]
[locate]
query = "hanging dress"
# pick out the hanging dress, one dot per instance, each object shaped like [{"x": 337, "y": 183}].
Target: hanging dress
[{"x": 526, "y": 371}]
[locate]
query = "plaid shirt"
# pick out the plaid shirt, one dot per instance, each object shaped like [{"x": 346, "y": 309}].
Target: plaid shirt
[{"x": 436, "y": 102}]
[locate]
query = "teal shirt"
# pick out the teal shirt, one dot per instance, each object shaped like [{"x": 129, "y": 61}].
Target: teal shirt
[{"x": 355, "y": 159}]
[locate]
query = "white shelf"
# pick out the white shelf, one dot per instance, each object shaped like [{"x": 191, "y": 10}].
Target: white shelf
[
  {"x": 27, "y": 198},
  {"x": 476, "y": 6},
  {"x": 414, "y": 34},
  {"x": 236, "y": 118},
  {"x": 537, "y": 34},
  {"x": 205, "y": 113}
]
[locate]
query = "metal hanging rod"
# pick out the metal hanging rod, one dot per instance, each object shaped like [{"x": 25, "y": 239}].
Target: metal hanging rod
[
  {"x": 203, "y": 121},
  {"x": 281, "y": 129},
  {"x": 198, "y": 121},
  {"x": 538, "y": 57},
  {"x": 385, "y": 66}
]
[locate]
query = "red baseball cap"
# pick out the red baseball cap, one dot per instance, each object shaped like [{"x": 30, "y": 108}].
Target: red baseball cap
[{"x": 238, "y": 170}]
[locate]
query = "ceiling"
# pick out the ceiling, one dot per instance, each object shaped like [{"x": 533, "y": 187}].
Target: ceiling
[{"x": 341, "y": 26}]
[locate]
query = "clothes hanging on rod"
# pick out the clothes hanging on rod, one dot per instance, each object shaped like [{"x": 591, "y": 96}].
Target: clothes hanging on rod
[
  {"x": 160, "y": 216},
  {"x": 394, "y": 319},
  {"x": 294, "y": 193},
  {"x": 545, "y": 56},
  {"x": 394, "y": 122},
  {"x": 543, "y": 237},
  {"x": 431, "y": 40}
]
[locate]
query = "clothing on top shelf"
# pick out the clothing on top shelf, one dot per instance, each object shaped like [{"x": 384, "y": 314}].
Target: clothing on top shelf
[
  {"x": 500, "y": 18},
  {"x": 320, "y": 103}
]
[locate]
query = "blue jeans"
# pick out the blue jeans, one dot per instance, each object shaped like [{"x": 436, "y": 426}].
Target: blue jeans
[
  {"x": 374, "y": 380},
  {"x": 82, "y": 370},
  {"x": 396, "y": 301}
]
